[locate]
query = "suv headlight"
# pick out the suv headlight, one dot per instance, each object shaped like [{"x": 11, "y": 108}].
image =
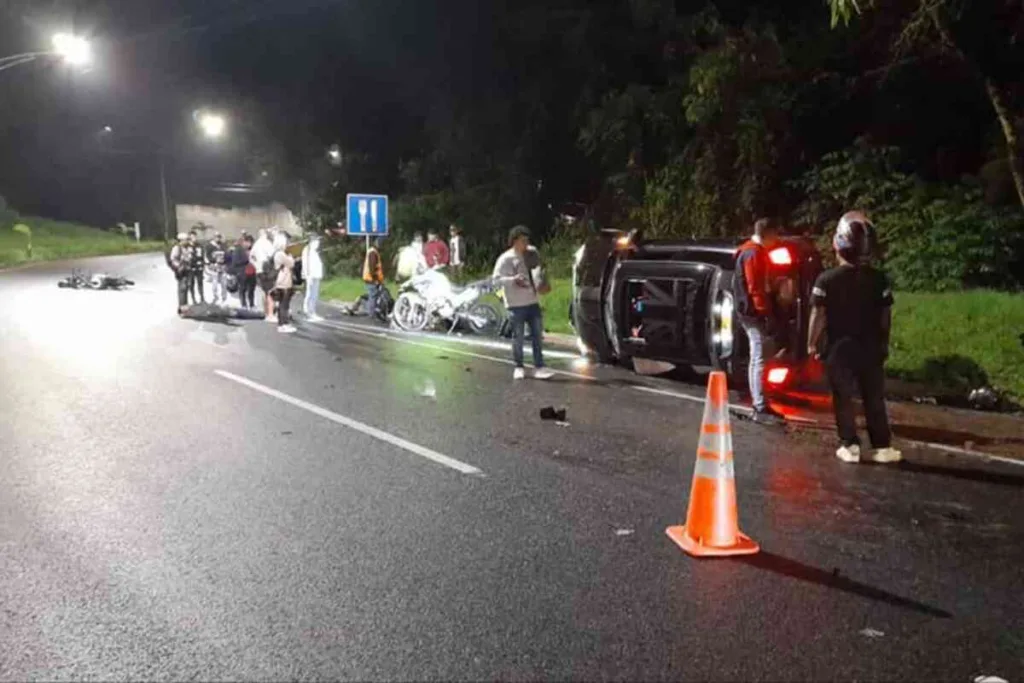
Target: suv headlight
[{"x": 723, "y": 337}]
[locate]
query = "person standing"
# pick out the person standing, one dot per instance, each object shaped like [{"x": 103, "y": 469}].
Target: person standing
[
  {"x": 409, "y": 262},
  {"x": 179, "y": 260},
  {"x": 457, "y": 248},
  {"x": 195, "y": 268},
  {"x": 852, "y": 308},
  {"x": 751, "y": 292},
  {"x": 373, "y": 276},
  {"x": 313, "y": 270},
  {"x": 244, "y": 272},
  {"x": 514, "y": 271},
  {"x": 261, "y": 256},
  {"x": 216, "y": 268},
  {"x": 435, "y": 251},
  {"x": 284, "y": 283}
]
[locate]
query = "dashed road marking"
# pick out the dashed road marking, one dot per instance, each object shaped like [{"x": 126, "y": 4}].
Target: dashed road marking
[{"x": 355, "y": 425}]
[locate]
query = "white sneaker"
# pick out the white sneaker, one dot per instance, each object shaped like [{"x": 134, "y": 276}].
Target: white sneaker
[
  {"x": 849, "y": 453},
  {"x": 314, "y": 318},
  {"x": 519, "y": 373},
  {"x": 271, "y": 319},
  {"x": 286, "y": 329},
  {"x": 886, "y": 455},
  {"x": 543, "y": 373}
]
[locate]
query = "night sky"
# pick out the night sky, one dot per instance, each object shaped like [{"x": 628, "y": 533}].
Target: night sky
[{"x": 294, "y": 75}]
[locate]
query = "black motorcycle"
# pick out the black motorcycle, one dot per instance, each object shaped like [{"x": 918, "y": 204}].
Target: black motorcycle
[{"x": 99, "y": 281}]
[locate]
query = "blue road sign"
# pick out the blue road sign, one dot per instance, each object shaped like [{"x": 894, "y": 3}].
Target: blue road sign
[{"x": 367, "y": 214}]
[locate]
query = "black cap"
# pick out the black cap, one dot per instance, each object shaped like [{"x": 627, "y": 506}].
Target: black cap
[{"x": 517, "y": 232}]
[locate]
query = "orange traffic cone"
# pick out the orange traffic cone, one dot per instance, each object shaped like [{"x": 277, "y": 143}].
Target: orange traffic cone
[{"x": 711, "y": 527}]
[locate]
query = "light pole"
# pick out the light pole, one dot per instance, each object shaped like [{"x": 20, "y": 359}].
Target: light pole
[
  {"x": 212, "y": 126},
  {"x": 73, "y": 50}
]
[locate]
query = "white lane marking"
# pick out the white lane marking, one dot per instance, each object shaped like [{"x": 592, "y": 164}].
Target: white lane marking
[
  {"x": 373, "y": 432},
  {"x": 466, "y": 341},
  {"x": 963, "y": 451},
  {"x": 688, "y": 397},
  {"x": 743, "y": 410},
  {"x": 345, "y": 327}
]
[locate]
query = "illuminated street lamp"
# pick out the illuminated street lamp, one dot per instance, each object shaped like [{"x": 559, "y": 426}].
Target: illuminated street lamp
[
  {"x": 212, "y": 125},
  {"x": 72, "y": 50}
]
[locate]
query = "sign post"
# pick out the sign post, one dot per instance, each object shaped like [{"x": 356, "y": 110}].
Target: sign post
[{"x": 367, "y": 215}]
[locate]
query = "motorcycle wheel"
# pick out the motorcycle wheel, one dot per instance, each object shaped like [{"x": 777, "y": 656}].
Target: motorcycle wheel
[
  {"x": 410, "y": 312},
  {"x": 483, "y": 319}
]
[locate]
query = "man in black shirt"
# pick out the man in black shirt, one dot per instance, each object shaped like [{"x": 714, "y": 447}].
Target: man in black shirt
[{"x": 853, "y": 308}]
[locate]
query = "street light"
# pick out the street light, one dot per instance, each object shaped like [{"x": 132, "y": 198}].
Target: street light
[
  {"x": 73, "y": 50},
  {"x": 212, "y": 125}
]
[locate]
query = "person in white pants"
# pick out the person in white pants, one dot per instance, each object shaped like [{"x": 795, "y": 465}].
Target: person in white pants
[{"x": 313, "y": 273}]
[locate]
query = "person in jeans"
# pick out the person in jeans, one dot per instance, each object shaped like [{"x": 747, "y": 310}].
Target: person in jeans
[
  {"x": 514, "y": 271},
  {"x": 852, "y": 307},
  {"x": 313, "y": 271},
  {"x": 284, "y": 284},
  {"x": 754, "y": 310},
  {"x": 196, "y": 264},
  {"x": 179, "y": 260},
  {"x": 373, "y": 276}
]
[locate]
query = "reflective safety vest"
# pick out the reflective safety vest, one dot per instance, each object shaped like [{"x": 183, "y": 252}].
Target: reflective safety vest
[{"x": 377, "y": 274}]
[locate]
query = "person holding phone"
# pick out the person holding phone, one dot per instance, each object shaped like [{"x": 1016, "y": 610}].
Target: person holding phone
[{"x": 518, "y": 271}]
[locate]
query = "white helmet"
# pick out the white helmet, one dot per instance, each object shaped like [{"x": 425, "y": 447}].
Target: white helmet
[{"x": 855, "y": 237}]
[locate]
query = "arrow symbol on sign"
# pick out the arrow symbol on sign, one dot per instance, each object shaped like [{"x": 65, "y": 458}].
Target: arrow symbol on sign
[{"x": 362, "y": 214}]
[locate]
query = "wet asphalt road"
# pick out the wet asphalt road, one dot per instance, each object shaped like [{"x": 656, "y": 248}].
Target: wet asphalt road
[{"x": 184, "y": 500}]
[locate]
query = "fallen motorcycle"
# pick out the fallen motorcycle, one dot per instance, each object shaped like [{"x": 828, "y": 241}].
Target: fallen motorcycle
[
  {"x": 98, "y": 281},
  {"x": 430, "y": 300}
]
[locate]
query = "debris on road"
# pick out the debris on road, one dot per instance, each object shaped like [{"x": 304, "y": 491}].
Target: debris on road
[
  {"x": 624, "y": 532},
  {"x": 213, "y": 312},
  {"x": 428, "y": 390},
  {"x": 562, "y": 424},
  {"x": 549, "y": 413},
  {"x": 871, "y": 633},
  {"x": 989, "y": 679}
]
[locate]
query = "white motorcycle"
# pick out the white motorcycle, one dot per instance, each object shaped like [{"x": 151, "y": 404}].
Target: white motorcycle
[{"x": 430, "y": 300}]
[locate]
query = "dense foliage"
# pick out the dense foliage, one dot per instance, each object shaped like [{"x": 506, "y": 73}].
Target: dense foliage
[{"x": 691, "y": 120}]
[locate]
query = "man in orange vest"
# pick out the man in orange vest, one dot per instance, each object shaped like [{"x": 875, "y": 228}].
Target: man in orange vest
[{"x": 373, "y": 276}]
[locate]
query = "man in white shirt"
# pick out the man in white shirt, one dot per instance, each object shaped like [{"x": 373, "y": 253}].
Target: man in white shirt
[
  {"x": 514, "y": 271},
  {"x": 457, "y": 249},
  {"x": 313, "y": 273},
  {"x": 261, "y": 257}
]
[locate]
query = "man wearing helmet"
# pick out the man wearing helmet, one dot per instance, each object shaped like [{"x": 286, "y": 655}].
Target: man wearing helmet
[{"x": 852, "y": 309}]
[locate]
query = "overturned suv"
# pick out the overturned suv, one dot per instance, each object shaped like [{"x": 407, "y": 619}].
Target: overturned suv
[{"x": 671, "y": 302}]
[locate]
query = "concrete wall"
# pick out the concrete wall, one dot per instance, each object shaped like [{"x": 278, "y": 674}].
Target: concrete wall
[{"x": 231, "y": 222}]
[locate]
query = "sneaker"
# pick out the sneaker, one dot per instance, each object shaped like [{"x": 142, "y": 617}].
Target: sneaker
[
  {"x": 886, "y": 455},
  {"x": 543, "y": 373},
  {"x": 849, "y": 453},
  {"x": 519, "y": 373},
  {"x": 314, "y": 318},
  {"x": 286, "y": 329},
  {"x": 271, "y": 319},
  {"x": 767, "y": 416}
]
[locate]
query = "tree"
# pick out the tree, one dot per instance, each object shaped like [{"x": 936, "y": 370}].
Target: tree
[{"x": 984, "y": 36}]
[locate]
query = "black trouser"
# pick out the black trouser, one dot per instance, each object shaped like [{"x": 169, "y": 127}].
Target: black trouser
[
  {"x": 852, "y": 370},
  {"x": 183, "y": 280},
  {"x": 284, "y": 300},
  {"x": 195, "y": 279},
  {"x": 247, "y": 290}
]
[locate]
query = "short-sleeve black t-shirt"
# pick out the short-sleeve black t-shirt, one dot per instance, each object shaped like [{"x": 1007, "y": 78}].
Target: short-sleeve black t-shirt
[{"x": 854, "y": 298}]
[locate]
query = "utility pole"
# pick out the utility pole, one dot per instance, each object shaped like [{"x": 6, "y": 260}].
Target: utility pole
[{"x": 163, "y": 194}]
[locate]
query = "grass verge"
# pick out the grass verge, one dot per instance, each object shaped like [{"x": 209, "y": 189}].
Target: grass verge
[
  {"x": 959, "y": 340},
  {"x": 55, "y": 240},
  {"x": 950, "y": 342}
]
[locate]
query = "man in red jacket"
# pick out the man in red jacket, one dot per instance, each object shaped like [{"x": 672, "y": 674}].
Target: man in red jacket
[
  {"x": 754, "y": 309},
  {"x": 435, "y": 251}
]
